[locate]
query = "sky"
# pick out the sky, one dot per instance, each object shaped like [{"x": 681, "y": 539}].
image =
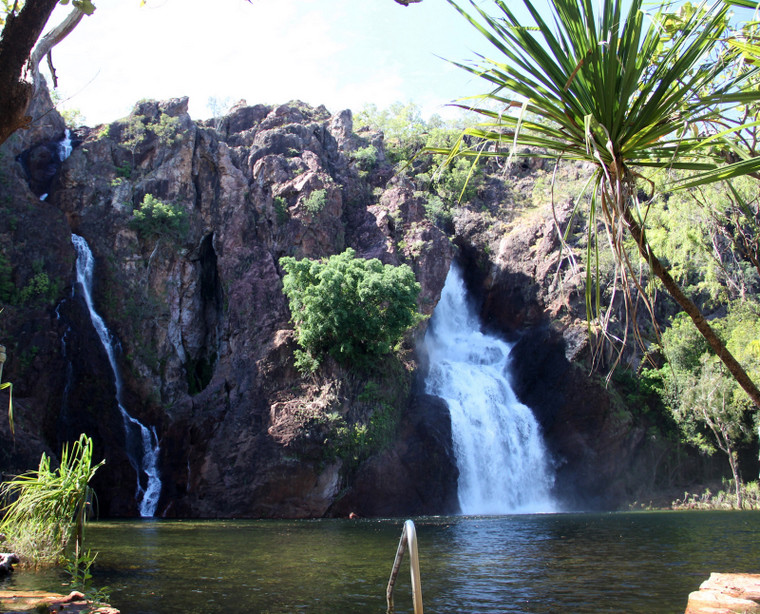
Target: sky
[{"x": 340, "y": 53}]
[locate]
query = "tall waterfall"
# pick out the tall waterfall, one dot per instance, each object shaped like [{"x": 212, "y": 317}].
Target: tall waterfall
[
  {"x": 141, "y": 442},
  {"x": 502, "y": 461}
]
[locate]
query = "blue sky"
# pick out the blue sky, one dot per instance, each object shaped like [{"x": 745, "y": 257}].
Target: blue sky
[{"x": 340, "y": 53}]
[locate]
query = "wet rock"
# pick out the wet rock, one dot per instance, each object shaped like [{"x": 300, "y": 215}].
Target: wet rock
[{"x": 7, "y": 561}]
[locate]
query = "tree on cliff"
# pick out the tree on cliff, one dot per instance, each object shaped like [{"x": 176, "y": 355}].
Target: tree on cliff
[
  {"x": 582, "y": 85},
  {"x": 350, "y": 308},
  {"x": 21, "y": 53}
]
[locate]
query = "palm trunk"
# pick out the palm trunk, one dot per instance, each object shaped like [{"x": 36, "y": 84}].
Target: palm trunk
[{"x": 733, "y": 366}]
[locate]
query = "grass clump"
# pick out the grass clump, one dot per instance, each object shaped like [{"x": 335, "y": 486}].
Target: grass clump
[{"x": 46, "y": 509}]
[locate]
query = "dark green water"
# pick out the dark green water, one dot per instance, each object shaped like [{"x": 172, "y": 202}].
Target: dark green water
[{"x": 577, "y": 563}]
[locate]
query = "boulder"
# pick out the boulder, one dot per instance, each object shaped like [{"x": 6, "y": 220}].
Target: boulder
[
  {"x": 726, "y": 593},
  {"x": 7, "y": 561}
]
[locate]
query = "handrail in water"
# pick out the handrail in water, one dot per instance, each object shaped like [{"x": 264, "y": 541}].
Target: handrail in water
[{"x": 408, "y": 540}]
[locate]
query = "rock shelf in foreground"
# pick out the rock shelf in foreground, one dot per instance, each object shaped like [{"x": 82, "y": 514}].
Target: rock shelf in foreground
[
  {"x": 14, "y": 602},
  {"x": 726, "y": 593}
]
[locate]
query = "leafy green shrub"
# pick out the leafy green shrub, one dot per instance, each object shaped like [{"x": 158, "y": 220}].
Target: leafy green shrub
[
  {"x": 167, "y": 129},
  {"x": 7, "y": 287},
  {"x": 38, "y": 286},
  {"x": 156, "y": 218},
  {"x": 438, "y": 212},
  {"x": 365, "y": 158},
  {"x": 124, "y": 171},
  {"x": 316, "y": 201},
  {"x": 349, "y": 308},
  {"x": 138, "y": 127},
  {"x": 281, "y": 209},
  {"x": 39, "y": 289}
]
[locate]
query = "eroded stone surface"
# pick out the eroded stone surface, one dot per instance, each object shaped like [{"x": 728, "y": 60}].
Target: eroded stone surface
[
  {"x": 15, "y": 602},
  {"x": 726, "y": 593}
]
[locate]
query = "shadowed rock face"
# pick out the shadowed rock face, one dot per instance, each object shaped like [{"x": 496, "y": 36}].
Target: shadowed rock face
[{"x": 206, "y": 344}]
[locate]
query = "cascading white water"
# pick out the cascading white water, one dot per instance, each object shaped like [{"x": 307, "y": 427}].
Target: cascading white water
[
  {"x": 502, "y": 461},
  {"x": 142, "y": 443},
  {"x": 64, "y": 146}
]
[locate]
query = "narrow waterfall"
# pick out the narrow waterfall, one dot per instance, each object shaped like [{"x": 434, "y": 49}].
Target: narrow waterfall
[
  {"x": 64, "y": 149},
  {"x": 141, "y": 442},
  {"x": 65, "y": 146},
  {"x": 502, "y": 461}
]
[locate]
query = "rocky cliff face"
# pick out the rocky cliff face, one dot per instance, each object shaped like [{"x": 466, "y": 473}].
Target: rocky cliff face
[{"x": 206, "y": 346}]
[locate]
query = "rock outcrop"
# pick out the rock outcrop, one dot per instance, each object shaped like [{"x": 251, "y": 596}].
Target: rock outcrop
[
  {"x": 206, "y": 347},
  {"x": 726, "y": 593},
  {"x": 203, "y": 327}
]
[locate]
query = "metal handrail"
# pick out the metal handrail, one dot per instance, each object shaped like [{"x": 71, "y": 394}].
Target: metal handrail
[{"x": 408, "y": 540}]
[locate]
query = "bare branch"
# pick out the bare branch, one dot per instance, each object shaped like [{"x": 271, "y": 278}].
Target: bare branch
[{"x": 52, "y": 38}]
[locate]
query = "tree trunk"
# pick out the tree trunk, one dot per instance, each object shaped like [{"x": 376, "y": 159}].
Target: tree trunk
[
  {"x": 19, "y": 37},
  {"x": 733, "y": 366},
  {"x": 737, "y": 480}
]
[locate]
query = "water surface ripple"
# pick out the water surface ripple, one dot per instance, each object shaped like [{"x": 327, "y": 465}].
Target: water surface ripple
[{"x": 645, "y": 562}]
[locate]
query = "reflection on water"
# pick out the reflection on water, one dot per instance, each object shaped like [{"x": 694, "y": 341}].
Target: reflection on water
[{"x": 579, "y": 563}]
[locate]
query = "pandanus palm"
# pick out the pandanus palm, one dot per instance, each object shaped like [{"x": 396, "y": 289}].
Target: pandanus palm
[{"x": 581, "y": 84}]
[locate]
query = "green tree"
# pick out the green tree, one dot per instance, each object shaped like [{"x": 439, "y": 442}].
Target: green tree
[
  {"x": 587, "y": 78},
  {"x": 708, "y": 238},
  {"x": 349, "y": 308},
  {"x": 157, "y": 219},
  {"x": 402, "y": 126},
  {"x": 706, "y": 401},
  {"x": 708, "y": 405}
]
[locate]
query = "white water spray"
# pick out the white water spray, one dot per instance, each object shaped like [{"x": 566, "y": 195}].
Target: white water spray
[
  {"x": 142, "y": 443},
  {"x": 502, "y": 461}
]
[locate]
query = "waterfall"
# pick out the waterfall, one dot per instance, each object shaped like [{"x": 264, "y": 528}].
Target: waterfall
[
  {"x": 141, "y": 442},
  {"x": 502, "y": 461},
  {"x": 69, "y": 366},
  {"x": 64, "y": 149},
  {"x": 64, "y": 146}
]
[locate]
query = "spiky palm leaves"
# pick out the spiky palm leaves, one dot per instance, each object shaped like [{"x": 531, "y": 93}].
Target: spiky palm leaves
[
  {"x": 46, "y": 508},
  {"x": 613, "y": 88}
]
